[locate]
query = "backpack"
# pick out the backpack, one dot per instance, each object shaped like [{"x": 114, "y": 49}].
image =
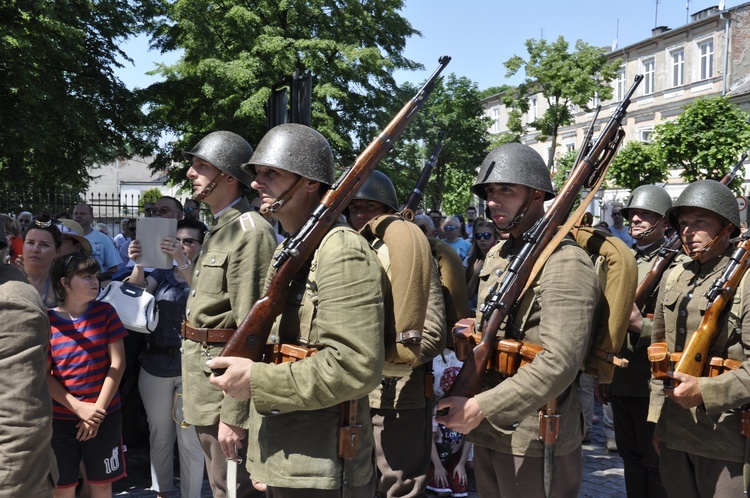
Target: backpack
[{"x": 618, "y": 277}]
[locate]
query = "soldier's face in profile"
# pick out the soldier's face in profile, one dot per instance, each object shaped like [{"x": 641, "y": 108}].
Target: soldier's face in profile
[
  {"x": 272, "y": 184},
  {"x": 506, "y": 200},
  {"x": 641, "y": 220}
]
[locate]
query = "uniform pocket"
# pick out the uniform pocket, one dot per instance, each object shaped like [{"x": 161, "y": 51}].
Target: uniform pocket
[{"x": 212, "y": 276}]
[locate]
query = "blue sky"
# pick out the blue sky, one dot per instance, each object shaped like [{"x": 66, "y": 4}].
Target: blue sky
[{"x": 481, "y": 34}]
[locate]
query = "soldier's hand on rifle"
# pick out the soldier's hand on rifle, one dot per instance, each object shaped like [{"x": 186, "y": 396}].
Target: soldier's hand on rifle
[
  {"x": 235, "y": 381},
  {"x": 464, "y": 414},
  {"x": 688, "y": 393}
]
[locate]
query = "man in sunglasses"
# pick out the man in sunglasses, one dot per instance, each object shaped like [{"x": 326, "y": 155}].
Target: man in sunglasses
[
  {"x": 452, "y": 231},
  {"x": 618, "y": 227},
  {"x": 191, "y": 209}
]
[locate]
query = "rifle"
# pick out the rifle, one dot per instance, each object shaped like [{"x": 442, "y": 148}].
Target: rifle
[
  {"x": 694, "y": 357},
  {"x": 415, "y": 198},
  {"x": 249, "y": 340},
  {"x": 585, "y": 174},
  {"x": 669, "y": 251}
]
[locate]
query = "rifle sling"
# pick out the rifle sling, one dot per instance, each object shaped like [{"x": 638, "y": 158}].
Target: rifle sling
[{"x": 559, "y": 236}]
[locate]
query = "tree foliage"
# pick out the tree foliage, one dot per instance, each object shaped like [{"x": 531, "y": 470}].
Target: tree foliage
[
  {"x": 64, "y": 109},
  {"x": 234, "y": 52},
  {"x": 454, "y": 107},
  {"x": 705, "y": 140},
  {"x": 636, "y": 164},
  {"x": 564, "y": 79}
]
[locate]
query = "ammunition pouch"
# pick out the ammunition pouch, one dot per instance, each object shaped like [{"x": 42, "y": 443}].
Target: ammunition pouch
[
  {"x": 283, "y": 353},
  {"x": 510, "y": 354},
  {"x": 663, "y": 362}
]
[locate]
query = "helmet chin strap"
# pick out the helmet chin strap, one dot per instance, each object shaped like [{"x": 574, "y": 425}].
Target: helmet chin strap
[
  {"x": 287, "y": 195},
  {"x": 646, "y": 232},
  {"x": 200, "y": 196},
  {"x": 697, "y": 254},
  {"x": 514, "y": 223}
]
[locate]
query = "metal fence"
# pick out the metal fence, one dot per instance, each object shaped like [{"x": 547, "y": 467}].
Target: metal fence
[{"x": 108, "y": 209}]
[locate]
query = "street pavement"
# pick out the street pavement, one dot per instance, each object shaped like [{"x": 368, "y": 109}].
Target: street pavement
[{"x": 602, "y": 471}]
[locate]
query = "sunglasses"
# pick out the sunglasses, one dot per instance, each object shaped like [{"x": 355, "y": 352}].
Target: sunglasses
[
  {"x": 131, "y": 229},
  {"x": 187, "y": 241},
  {"x": 617, "y": 214},
  {"x": 163, "y": 211},
  {"x": 73, "y": 257},
  {"x": 450, "y": 228},
  {"x": 485, "y": 235},
  {"x": 189, "y": 210}
]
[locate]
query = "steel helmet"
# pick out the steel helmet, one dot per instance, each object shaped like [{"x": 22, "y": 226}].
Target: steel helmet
[
  {"x": 225, "y": 150},
  {"x": 649, "y": 198},
  {"x": 295, "y": 148},
  {"x": 711, "y": 196},
  {"x": 379, "y": 187},
  {"x": 514, "y": 163}
]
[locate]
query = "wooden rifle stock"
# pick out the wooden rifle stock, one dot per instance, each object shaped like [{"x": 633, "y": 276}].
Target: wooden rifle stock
[
  {"x": 250, "y": 338},
  {"x": 416, "y": 196},
  {"x": 669, "y": 251},
  {"x": 695, "y": 354},
  {"x": 585, "y": 174}
]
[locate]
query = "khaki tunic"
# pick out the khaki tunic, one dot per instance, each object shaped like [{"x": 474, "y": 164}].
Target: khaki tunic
[
  {"x": 406, "y": 361},
  {"x": 710, "y": 430},
  {"x": 27, "y": 464},
  {"x": 294, "y": 410},
  {"x": 558, "y": 312},
  {"x": 227, "y": 280}
]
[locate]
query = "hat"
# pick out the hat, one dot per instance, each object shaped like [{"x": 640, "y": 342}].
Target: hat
[{"x": 70, "y": 228}]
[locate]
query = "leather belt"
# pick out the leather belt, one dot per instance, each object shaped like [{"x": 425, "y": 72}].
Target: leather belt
[{"x": 218, "y": 336}]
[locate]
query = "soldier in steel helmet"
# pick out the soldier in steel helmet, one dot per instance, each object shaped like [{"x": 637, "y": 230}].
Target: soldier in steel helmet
[
  {"x": 401, "y": 412},
  {"x": 698, "y": 422},
  {"x": 227, "y": 280},
  {"x": 558, "y": 313},
  {"x": 335, "y": 313},
  {"x": 629, "y": 391}
]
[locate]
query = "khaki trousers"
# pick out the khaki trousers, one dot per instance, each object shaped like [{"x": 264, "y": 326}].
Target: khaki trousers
[
  {"x": 690, "y": 476},
  {"x": 506, "y": 476}
]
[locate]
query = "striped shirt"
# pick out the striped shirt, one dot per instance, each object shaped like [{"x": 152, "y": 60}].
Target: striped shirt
[{"x": 80, "y": 356}]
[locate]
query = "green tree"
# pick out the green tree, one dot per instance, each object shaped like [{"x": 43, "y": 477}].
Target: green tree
[
  {"x": 705, "y": 140},
  {"x": 454, "y": 107},
  {"x": 564, "y": 79},
  {"x": 64, "y": 109},
  {"x": 234, "y": 52},
  {"x": 636, "y": 164},
  {"x": 150, "y": 195}
]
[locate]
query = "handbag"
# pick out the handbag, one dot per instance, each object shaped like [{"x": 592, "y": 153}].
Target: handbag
[{"x": 136, "y": 308}]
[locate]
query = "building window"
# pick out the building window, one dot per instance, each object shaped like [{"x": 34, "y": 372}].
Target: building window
[
  {"x": 648, "y": 77},
  {"x": 570, "y": 146},
  {"x": 496, "y": 120},
  {"x": 678, "y": 67},
  {"x": 620, "y": 84},
  {"x": 706, "y": 54},
  {"x": 645, "y": 135},
  {"x": 532, "y": 109}
]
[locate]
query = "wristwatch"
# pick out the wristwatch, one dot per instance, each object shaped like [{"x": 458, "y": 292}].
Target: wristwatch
[{"x": 187, "y": 264}]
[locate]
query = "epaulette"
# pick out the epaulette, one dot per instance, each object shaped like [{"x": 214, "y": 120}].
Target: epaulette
[{"x": 246, "y": 221}]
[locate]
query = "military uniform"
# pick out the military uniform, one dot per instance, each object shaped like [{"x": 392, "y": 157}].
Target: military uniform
[
  {"x": 227, "y": 280},
  {"x": 27, "y": 463},
  {"x": 707, "y": 435},
  {"x": 401, "y": 416},
  {"x": 630, "y": 395},
  {"x": 558, "y": 313},
  {"x": 337, "y": 308}
]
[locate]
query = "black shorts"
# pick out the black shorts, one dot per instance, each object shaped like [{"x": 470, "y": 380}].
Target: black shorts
[{"x": 102, "y": 456}]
